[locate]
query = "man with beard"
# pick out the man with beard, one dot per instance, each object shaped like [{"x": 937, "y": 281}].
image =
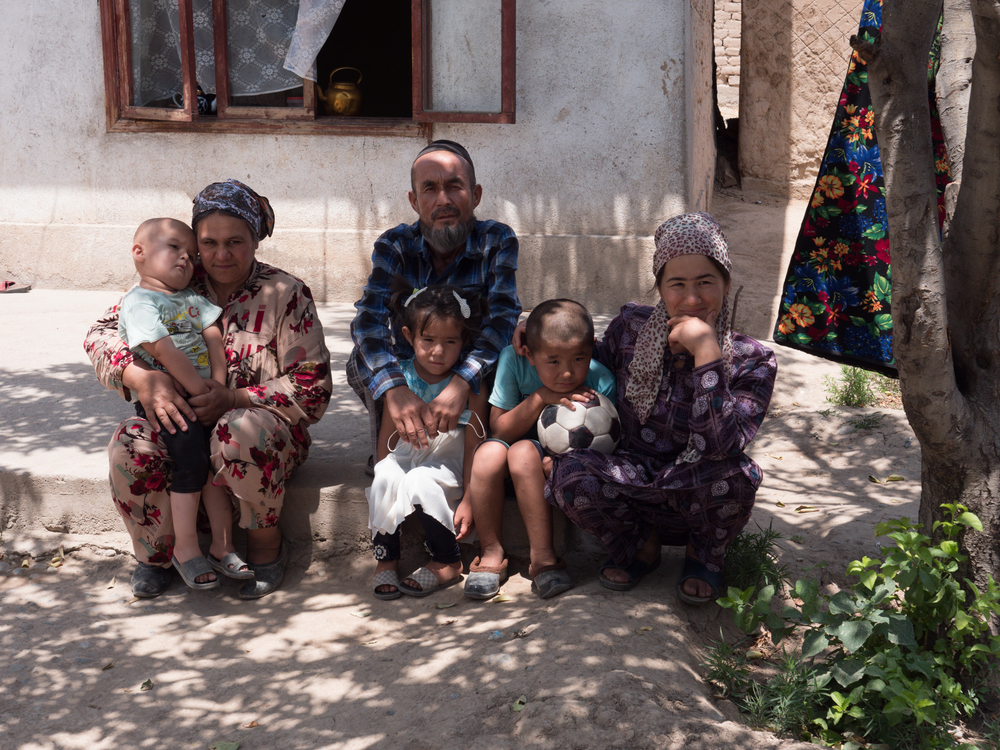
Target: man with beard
[{"x": 447, "y": 245}]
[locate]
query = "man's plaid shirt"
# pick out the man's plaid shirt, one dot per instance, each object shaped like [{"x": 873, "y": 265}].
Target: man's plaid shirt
[{"x": 486, "y": 267}]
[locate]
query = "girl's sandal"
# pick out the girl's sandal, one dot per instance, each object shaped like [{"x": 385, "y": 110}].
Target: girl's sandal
[
  {"x": 191, "y": 569},
  {"x": 386, "y": 578}
]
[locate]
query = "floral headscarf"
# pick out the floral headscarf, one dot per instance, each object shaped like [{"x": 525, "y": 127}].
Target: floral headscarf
[
  {"x": 687, "y": 234},
  {"x": 235, "y": 198}
]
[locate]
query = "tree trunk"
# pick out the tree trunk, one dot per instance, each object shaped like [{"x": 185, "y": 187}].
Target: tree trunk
[{"x": 946, "y": 320}]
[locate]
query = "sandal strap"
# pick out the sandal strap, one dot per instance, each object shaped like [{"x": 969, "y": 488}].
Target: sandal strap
[
  {"x": 560, "y": 564},
  {"x": 477, "y": 567},
  {"x": 387, "y": 578}
]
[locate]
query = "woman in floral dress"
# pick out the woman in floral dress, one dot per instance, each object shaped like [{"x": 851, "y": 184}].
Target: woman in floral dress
[
  {"x": 691, "y": 396},
  {"x": 278, "y": 384}
]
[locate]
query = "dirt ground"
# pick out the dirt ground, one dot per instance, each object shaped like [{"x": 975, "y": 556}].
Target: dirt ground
[{"x": 322, "y": 664}]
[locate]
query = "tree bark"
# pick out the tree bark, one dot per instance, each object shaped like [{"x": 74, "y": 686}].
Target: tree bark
[{"x": 945, "y": 297}]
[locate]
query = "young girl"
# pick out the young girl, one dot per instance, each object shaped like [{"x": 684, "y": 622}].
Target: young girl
[{"x": 438, "y": 322}]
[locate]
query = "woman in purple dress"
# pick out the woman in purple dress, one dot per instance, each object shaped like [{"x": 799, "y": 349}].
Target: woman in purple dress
[{"x": 691, "y": 396}]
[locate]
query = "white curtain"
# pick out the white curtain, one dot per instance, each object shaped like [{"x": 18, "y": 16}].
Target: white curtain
[
  {"x": 316, "y": 21},
  {"x": 272, "y": 45}
]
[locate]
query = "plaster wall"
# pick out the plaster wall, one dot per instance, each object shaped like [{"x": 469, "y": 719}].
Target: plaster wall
[
  {"x": 794, "y": 57},
  {"x": 613, "y": 135}
]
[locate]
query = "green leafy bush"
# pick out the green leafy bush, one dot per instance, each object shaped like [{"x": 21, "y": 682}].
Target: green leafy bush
[
  {"x": 901, "y": 655},
  {"x": 750, "y": 560},
  {"x": 857, "y": 387}
]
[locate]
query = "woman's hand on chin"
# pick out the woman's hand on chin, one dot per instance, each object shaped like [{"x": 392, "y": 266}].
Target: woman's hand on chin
[
  {"x": 208, "y": 407},
  {"x": 696, "y": 336}
]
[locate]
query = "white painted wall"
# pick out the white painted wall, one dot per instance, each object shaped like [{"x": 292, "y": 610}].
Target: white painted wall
[{"x": 612, "y": 136}]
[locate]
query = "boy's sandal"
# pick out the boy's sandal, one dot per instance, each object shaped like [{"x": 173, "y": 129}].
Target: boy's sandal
[
  {"x": 484, "y": 582},
  {"x": 231, "y": 565},
  {"x": 267, "y": 576},
  {"x": 429, "y": 583},
  {"x": 551, "y": 580},
  {"x": 694, "y": 568},
  {"x": 149, "y": 581},
  {"x": 636, "y": 570},
  {"x": 386, "y": 578},
  {"x": 191, "y": 569}
]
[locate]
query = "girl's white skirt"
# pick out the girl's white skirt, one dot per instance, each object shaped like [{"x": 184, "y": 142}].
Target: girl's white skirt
[{"x": 430, "y": 477}]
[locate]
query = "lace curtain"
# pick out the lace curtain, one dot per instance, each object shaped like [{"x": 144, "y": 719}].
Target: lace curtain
[{"x": 272, "y": 45}]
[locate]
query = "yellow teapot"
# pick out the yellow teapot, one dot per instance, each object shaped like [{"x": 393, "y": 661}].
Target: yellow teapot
[{"x": 342, "y": 98}]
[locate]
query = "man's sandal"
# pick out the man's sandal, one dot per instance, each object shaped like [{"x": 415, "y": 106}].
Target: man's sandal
[
  {"x": 386, "y": 578},
  {"x": 231, "y": 565},
  {"x": 484, "y": 582},
  {"x": 551, "y": 580},
  {"x": 428, "y": 582},
  {"x": 191, "y": 569},
  {"x": 636, "y": 570},
  {"x": 694, "y": 568}
]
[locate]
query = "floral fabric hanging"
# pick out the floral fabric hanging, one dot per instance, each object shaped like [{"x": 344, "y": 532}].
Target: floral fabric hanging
[{"x": 837, "y": 300}]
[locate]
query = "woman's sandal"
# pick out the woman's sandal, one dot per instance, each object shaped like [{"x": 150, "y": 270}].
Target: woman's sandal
[
  {"x": 191, "y": 569},
  {"x": 694, "y": 568},
  {"x": 484, "y": 582},
  {"x": 231, "y": 565},
  {"x": 429, "y": 583},
  {"x": 149, "y": 581},
  {"x": 551, "y": 580},
  {"x": 386, "y": 578},
  {"x": 267, "y": 576},
  {"x": 636, "y": 570}
]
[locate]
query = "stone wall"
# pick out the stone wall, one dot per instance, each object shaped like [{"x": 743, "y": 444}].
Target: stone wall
[
  {"x": 794, "y": 57},
  {"x": 728, "y": 31}
]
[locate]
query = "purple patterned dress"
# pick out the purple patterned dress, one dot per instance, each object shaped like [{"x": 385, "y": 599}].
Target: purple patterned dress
[{"x": 622, "y": 498}]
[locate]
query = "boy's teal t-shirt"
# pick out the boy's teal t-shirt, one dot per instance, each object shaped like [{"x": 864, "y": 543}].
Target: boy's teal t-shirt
[{"x": 516, "y": 379}]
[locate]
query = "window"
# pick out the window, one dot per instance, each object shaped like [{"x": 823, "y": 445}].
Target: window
[{"x": 220, "y": 65}]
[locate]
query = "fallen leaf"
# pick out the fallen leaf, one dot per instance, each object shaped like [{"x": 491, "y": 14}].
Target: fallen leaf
[
  {"x": 754, "y": 654},
  {"x": 780, "y": 504},
  {"x": 368, "y": 643},
  {"x": 447, "y": 606},
  {"x": 644, "y": 629},
  {"x": 62, "y": 552},
  {"x": 895, "y": 478},
  {"x": 872, "y": 478},
  {"x": 25, "y": 563},
  {"x": 112, "y": 584},
  {"x": 127, "y": 690},
  {"x": 147, "y": 685},
  {"x": 519, "y": 634},
  {"x": 501, "y": 598},
  {"x": 133, "y": 600},
  {"x": 806, "y": 509},
  {"x": 361, "y": 614},
  {"x": 92, "y": 705},
  {"x": 56, "y": 563},
  {"x": 251, "y": 725},
  {"x": 109, "y": 665},
  {"x": 834, "y": 443},
  {"x": 519, "y": 704},
  {"x": 450, "y": 622}
]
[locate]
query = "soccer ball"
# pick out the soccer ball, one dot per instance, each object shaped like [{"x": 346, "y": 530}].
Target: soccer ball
[{"x": 593, "y": 425}]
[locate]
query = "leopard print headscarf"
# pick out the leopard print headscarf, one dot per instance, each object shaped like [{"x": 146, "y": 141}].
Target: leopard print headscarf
[{"x": 687, "y": 234}]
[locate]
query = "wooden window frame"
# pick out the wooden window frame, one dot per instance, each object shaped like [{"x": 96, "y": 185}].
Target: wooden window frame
[{"x": 122, "y": 116}]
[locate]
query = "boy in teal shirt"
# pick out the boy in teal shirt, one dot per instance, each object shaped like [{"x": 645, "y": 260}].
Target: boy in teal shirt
[{"x": 558, "y": 369}]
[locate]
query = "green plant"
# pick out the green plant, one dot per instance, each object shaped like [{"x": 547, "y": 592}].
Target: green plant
[
  {"x": 852, "y": 388},
  {"x": 895, "y": 656},
  {"x": 726, "y": 668},
  {"x": 867, "y": 421},
  {"x": 751, "y": 562}
]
